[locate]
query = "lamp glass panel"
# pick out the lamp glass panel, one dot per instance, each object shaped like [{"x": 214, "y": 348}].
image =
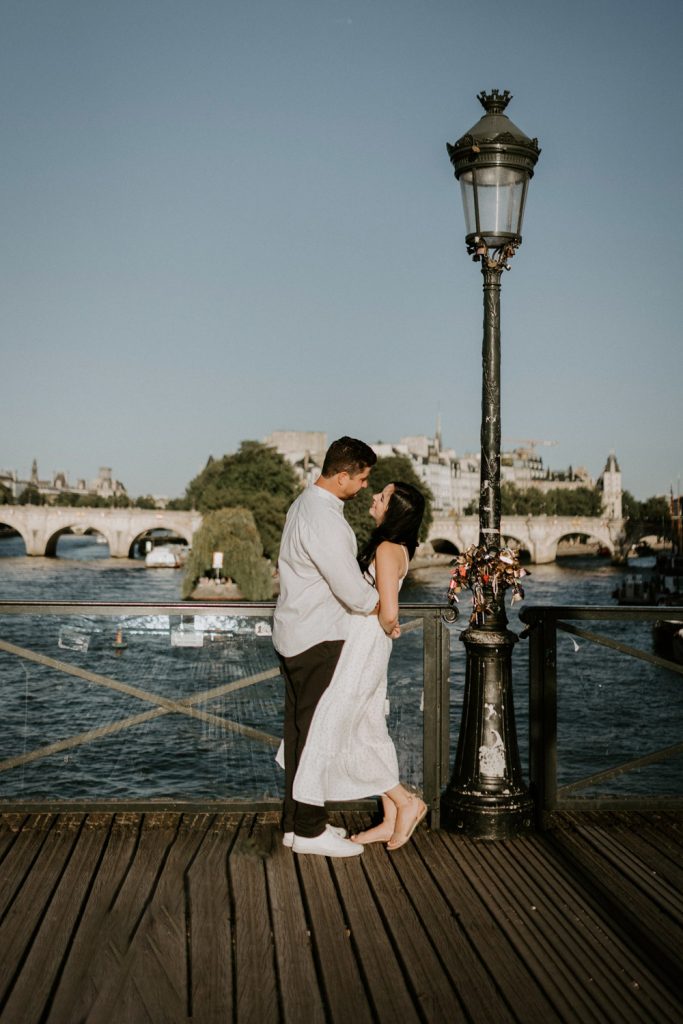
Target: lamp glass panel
[
  {"x": 467, "y": 192},
  {"x": 500, "y": 196}
]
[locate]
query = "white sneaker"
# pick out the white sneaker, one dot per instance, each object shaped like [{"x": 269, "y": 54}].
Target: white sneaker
[
  {"x": 288, "y": 837},
  {"x": 328, "y": 844}
]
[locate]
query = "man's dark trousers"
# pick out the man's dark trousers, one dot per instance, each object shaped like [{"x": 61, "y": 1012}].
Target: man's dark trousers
[{"x": 307, "y": 676}]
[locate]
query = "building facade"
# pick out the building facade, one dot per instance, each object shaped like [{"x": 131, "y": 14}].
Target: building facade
[
  {"x": 454, "y": 479},
  {"x": 103, "y": 486}
]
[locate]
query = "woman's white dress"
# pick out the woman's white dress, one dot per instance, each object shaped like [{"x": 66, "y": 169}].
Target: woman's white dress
[{"x": 349, "y": 753}]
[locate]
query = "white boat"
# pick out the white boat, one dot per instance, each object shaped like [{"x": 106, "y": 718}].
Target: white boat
[{"x": 163, "y": 557}]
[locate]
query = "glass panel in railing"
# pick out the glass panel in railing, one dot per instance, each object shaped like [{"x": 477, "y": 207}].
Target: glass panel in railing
[
  {"x": 163, "y": 705},
  {"x": 614, "y": 709}
]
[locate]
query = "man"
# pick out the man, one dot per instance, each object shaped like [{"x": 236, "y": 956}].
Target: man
[{"x": 321, "y": 586}]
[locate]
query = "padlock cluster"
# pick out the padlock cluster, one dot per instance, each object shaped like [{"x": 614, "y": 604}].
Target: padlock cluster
[{"x": 487, "y": 572}]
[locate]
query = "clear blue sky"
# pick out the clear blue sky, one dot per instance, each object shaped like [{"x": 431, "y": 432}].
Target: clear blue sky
[{"x": 225, "y": 217}]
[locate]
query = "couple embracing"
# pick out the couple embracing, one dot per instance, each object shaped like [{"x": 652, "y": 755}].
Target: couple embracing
[{"x": 333, "y": 627}]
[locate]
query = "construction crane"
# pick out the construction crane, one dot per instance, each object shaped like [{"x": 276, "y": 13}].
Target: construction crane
[{"x": 530, "y": 443}]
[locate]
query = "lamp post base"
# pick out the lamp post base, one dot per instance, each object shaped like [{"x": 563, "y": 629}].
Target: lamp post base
[
  {"x": 486, "y": 797},
  {"x": 479, "y": 816}
]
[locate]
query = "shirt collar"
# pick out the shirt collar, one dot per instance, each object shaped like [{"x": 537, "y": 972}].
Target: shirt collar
[{"x": 326, "y": 496}]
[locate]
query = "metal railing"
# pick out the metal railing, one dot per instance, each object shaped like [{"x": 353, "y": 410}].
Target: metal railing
[
  {"x": 87, "y": 644},
  {"x": 544, "y": 623}
]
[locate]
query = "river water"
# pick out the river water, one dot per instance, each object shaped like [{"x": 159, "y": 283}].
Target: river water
[{"x": 95, "y": 702}]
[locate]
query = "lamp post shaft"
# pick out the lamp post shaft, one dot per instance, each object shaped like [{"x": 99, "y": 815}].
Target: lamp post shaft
[{"x": 489, "y": 494}]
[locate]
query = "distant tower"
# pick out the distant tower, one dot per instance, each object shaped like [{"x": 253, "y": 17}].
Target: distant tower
[
  {"x": 610, "y": 484},
  {"x": 34, "y": 473},
  {"x": 437, "y": 438}
]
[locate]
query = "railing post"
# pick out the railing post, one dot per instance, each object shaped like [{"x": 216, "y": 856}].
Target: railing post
[
  {"x": 436, "y": 738},
  {"x": 543, "y": 715}
]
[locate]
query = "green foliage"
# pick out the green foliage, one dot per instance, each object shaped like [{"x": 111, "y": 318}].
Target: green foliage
[
  {"x": 650, "y": 516},
  {"x": 630, "y": 506},
  {"x": 232, "y": 531},
  {"x": 145, "y": 501},
  {"x": 5, "y": 496},
  {"x": 385, "y": 471},
  {"x": 257, "y": 478},
  {"x": 31, "y": 496},
  {"x": 531, "y": 501}
]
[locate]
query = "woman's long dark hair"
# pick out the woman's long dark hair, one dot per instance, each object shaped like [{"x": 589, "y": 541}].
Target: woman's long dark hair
[{"x": 401, "y": 523}]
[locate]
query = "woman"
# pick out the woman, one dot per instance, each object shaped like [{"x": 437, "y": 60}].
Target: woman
[{"x": 349, "y": 753}]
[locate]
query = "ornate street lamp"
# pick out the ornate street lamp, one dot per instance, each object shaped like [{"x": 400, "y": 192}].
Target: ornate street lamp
[{"x": 486, "y": 797}]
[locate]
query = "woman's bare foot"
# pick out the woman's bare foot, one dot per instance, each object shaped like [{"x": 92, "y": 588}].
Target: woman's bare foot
[
  {"x": 381, "y": 833},
  {"x": 409, "y": 816}
]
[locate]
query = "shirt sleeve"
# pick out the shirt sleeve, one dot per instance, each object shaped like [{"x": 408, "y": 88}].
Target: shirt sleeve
[{"x": 331, "y": 551}]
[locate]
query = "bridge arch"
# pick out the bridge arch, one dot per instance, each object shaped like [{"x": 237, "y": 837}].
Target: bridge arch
[
  {"x": 15, "y": 529},
  {"x": 173, "y": 529},
  {"x": 75, "y": 528},
  {"x": 444, "y": 546},
  {"x": 586, "y": 537}
]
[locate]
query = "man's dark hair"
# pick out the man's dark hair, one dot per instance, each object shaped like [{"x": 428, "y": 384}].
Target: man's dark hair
[{"x": 348, "y": 455}]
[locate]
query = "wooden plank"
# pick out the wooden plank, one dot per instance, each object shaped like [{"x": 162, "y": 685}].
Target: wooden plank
[
  {"x": 28, "y": 907},
  {"x": 551, "y": 972},
  {"x": 29, "y": 996},
  {"x": 651, "y": 849},
  {"x": 299, "y": 989},
  {"x": 344, "y": 994},
  {"x": 154, "y": 971},
  {"x": 10, "y": 827},
  {"x": 74, "y": 986},
  {"x": 480, "y": 997},
  {"x": 620, "y": 962},
  {"x": 661, "y": 838},
  {"x": 387, "y": 990},
  {"x": 20, "y": 856},
  {"x": 210, "y": 925},
  {"x": 564, "y": 931},
  {"x": 146, "y": 986},
  {"x": 630, "y": 906},
  {"x": 255, "y": 985},
  {"x": 514, "y": 979},
  {"x": 427, "y": 980},
  {"x": 117, "y": 927},
  {"x": 614, "y": 845}
]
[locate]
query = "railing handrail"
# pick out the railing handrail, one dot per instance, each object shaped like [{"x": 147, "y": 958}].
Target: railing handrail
[
  {"x": 181, "y": 607},
  {"x": 529, "y": 614}
]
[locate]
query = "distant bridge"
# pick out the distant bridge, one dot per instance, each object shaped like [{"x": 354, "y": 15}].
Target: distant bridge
[
  {"x": 41, "y": 526},
  {"x": 539, "y": 535}
]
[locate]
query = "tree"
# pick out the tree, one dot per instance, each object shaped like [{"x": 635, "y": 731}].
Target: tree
[
  {"x": 233, "y": 532},
  {"x": 558, "y": 501},
  {"x": 145, "y": 501},
  {"x": 31, "y": 496},
  {"x": 630, "y": 506},
  {"x": 385, "y": 471},
  {"x": 257, "y": 478},
  {"x": 5, "y": 496}
]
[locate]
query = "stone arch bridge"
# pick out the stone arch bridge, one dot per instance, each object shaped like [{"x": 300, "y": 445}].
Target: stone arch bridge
[
  {"x": 539, "y": 535},
  {"x": 41, "y": 526}
]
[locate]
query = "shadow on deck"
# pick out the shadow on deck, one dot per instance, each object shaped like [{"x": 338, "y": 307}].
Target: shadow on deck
[{"x": 165, "y": 917}]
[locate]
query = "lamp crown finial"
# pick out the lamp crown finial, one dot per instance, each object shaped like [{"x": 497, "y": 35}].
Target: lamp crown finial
[{"x": 494, "y": 102}]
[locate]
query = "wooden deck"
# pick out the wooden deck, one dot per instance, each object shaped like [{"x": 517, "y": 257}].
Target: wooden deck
[{"x": 168, "y": 917}]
